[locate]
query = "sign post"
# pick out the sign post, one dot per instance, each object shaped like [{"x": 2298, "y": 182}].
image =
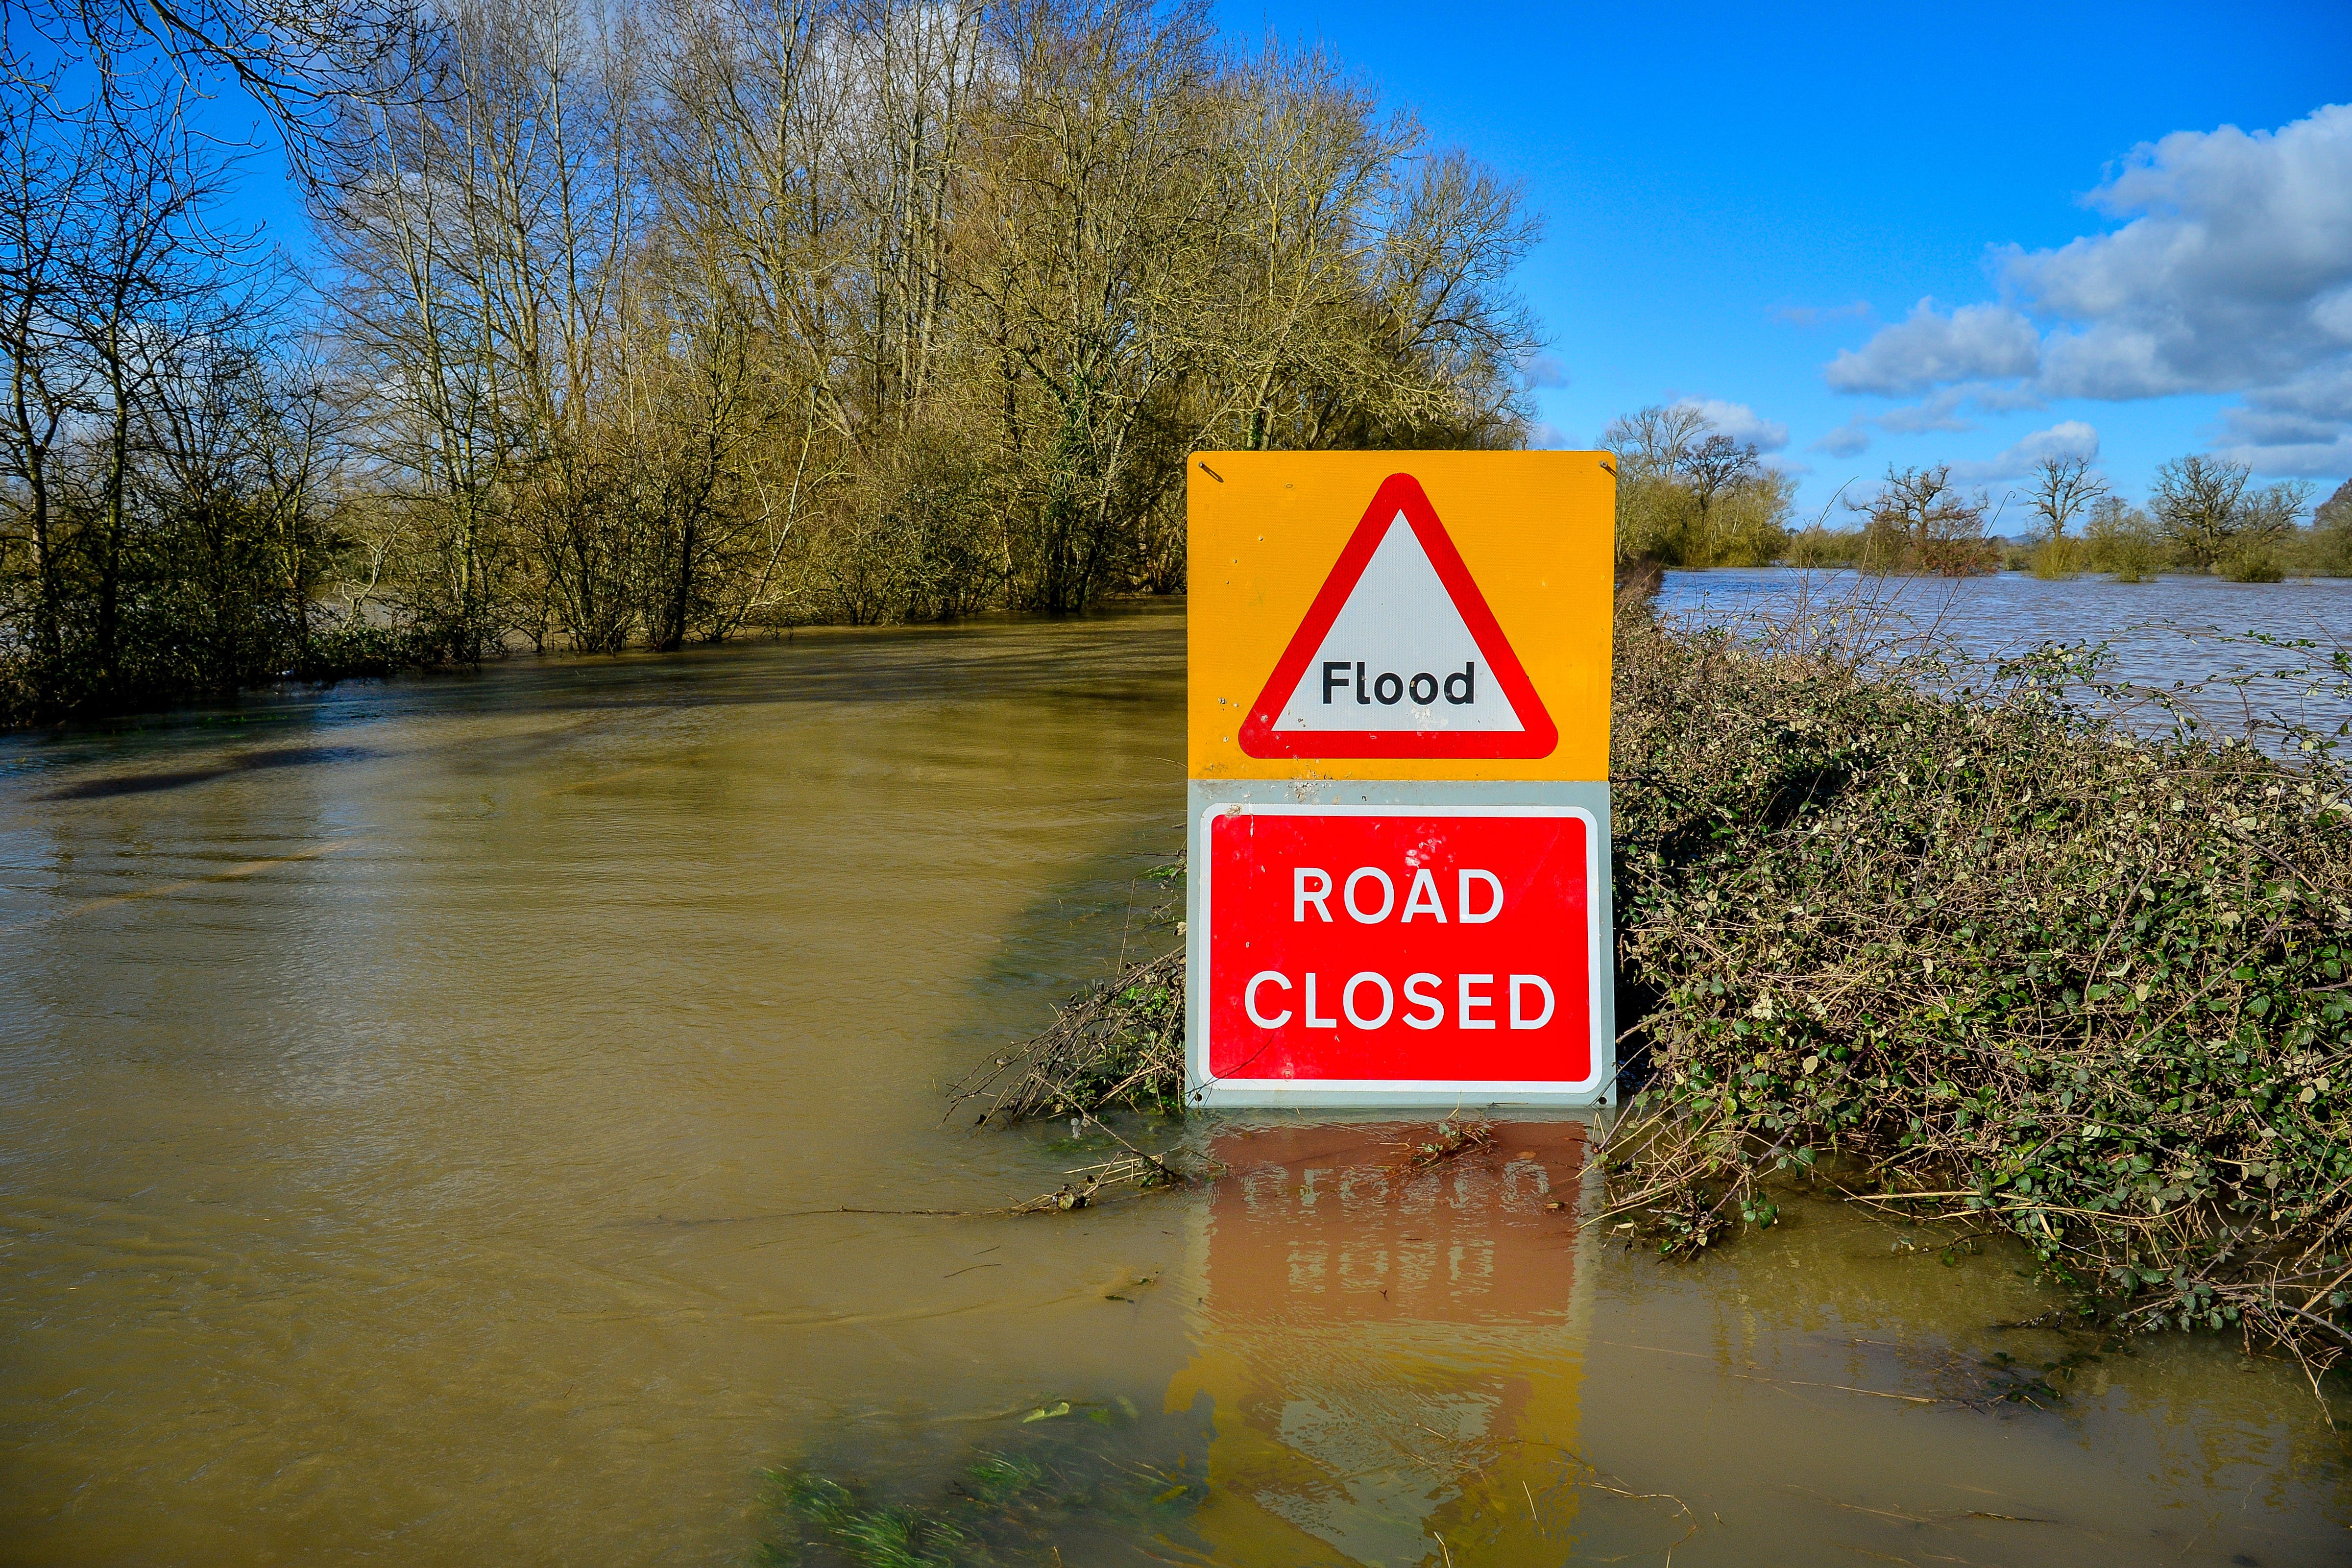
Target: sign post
[{"x": 1398, "y": 760}]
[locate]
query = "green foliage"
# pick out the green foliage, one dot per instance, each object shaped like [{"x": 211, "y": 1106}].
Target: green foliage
[
  {"x": 2123, "y": 541},
  {"x": 2057, "y": 560},
  {"x": 1690, "y": 496},
  {"x": 2214, "y": 520},
  {"x": 1656, "y": 520},
  {"x": 1119, "y": 1043},
  {"x": 1076, "y": 1470},
  {"x": 1818, "y": 547},
  {"x": 189, "y": 569},
  {"x": 1975, "y": 941},
  {"x": 2253, "y": 560},
  {"x": 1748, "y": 525},
  {"x": 2331, "y": 526}
]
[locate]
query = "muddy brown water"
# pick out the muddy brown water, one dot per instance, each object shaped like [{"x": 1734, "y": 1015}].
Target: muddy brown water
[{"x": 413, "y": 1099}]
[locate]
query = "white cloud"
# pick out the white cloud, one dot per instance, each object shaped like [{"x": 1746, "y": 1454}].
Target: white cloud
[
  {"x": 2234, "y": 270},
  {"x": 2067, "y": 438},
  {"x": 2231, "y": 272},
  {"x": 2276, "y": 427},
  {"x": 2004, "y": 400},
  {"x": 1848, "y": 440},
  {"x": 2296, "y": 459},
  {"x": 2302, "y": 428},
  {"x": 1975, "y": 342},
  {"x": 1740, "y": 423},
  {"x": 1936, "y": 412}
]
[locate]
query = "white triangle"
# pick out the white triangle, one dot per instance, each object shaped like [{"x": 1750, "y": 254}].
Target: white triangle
[{"x": 1399, "y": 622}]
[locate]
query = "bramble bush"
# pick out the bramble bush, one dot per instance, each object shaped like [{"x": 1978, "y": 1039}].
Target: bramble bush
[{"x": 1961, "y": 941}]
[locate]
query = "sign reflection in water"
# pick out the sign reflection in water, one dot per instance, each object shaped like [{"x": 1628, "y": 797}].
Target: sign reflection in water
[{"x": 1345, "y": 1431}]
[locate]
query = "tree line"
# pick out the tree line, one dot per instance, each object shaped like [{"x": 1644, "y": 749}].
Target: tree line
[
  {"x": 1690, "y": 496},
  {"x": 643, "y": 324},
  {"x": 2203, "y": 515}
]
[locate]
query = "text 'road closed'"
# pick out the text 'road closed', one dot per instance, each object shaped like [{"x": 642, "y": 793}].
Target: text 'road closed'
[{"x": 1359, "y": 947}]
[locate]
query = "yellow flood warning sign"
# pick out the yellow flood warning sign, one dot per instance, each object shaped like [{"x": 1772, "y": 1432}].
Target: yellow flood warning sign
[
  {"x": 1421, "y": 615},
  {"x": 1398, "y": 746}
]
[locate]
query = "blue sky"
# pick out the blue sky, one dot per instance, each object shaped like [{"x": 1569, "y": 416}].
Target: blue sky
[{"x": 1733, "y": 195}]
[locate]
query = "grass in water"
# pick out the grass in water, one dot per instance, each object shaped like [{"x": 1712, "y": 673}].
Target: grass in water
[
  {"x": 1069, "y": 1476},
  {"x": 1118, "y": 1044}
]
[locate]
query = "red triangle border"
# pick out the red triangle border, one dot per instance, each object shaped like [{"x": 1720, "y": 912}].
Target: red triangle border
[{"x": 1539, "y": 735}]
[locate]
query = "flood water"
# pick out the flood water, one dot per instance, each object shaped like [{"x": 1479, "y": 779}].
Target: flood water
[
  {"x": 426, "y": 1109},
  {"x": 2197, "y": 639}
]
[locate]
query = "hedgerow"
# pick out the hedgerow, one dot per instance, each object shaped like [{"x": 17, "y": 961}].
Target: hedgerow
[{"x": 1965, "y": 944}]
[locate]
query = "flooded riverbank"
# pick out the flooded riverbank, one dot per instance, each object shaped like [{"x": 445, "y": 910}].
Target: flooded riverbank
[
  {"x": 2191, "y": 637},
  {"x": 426, "y": 1109}
]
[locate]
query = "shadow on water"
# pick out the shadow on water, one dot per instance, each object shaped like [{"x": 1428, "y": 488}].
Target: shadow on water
[
  {"x": 148, "y": 783},
  {"x": 1117, "y": 660},
  {"x": 1115, "y": 912}
]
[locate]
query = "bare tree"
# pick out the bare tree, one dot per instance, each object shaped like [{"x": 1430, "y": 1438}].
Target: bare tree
[
  {"x": 1659, "y": 440},
  {"x": 2198, "y": 503},
  {"x": 1717, "y": 464},
  {"x": 294, "y": 57},
  {"x": 150, "y": 272},
  {"x": 1097, "y": 213},
  {"x": 2275, "y": 509},
  {"x": 158, "y": 478},
  {"x": 487, "y": 229},
  {"x": 2335, "y": 512},
  {"x": 1307, "y": 165},
  {"x": 47, "y": 172},
  {"x": 1452, "y": 330},
  {"x": 2064, "y": 489},
  {"x": 861, "y": 307},
  {"x": 1918, "y": 521},
  {"x": 653, "y": 321},
  {"x": 2331, "y": 521}
]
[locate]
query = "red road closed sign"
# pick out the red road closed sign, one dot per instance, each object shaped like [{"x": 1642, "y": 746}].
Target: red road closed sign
[{"x": 1389, "y": 949}]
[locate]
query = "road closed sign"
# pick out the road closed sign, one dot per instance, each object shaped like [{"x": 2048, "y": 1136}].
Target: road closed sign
[
  {"x": 1442, "y": 951},
  {"x": 1397, "y": 760}
]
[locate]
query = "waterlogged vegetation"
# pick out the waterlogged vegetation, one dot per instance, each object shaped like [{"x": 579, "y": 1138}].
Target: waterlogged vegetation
[
  {"x": 1120, "y": 1044},
  {"x": 1061, "y": 1471},
  {"x": 1690, "y": 495},
  {"x": 2203, "y": 516},
  {"x": 1977, "y": 950}
]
